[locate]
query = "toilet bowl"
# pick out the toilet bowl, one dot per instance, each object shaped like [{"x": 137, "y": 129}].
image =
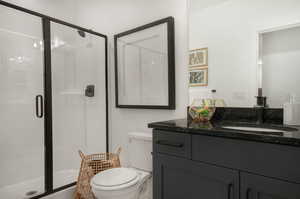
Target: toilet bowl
[
  {"x": 132, "y": 182},
  {"x": 120, "y": 183}
]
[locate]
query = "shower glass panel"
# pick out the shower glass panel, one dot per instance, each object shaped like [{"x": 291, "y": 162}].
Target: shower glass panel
[
  {"x": 21, "y": 96},
  {"x": 78, "y": 99}
]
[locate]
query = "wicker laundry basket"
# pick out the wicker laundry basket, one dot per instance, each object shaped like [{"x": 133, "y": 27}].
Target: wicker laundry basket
[{"x": 90, "y": 166}]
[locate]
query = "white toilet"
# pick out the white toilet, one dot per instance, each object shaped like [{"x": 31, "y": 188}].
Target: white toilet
[{"x": 128, "y": 183}]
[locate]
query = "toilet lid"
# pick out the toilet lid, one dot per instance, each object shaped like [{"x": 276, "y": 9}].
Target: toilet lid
[{"x": 115, "y": 177}]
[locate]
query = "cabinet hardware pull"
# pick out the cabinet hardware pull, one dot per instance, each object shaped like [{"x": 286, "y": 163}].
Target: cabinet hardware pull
[
  {"x": 39, "y": 106},
  {"x": 230, "y": 191},
  {"x": 248, "y": 193},
  {"x": 167, "y": 143}
]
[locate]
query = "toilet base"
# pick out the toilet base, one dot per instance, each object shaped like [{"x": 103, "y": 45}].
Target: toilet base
[
  {"x": 129, "y": 193},
  {"x": 138, "y": 191}
]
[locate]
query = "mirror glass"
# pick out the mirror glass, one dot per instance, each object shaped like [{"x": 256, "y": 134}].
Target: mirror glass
[
  {"x": 241, "y": 56},
  {"x": 280, "y": 65}
]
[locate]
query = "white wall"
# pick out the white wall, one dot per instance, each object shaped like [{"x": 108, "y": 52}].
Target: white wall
[
  {"x": 62, "y": 9},
  {"x": 230, "y": 31},
  {"x": 112, "y": 17},
  {"x": 280, "y": 65}
]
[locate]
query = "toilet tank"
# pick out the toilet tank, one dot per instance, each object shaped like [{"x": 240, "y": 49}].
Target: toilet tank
[{"x": 140, "y": 148}]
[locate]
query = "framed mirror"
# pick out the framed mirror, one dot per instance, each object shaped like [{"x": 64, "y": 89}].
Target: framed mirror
[
  {"x": 279, "y": 60},
  {"x": 145, "y": 66}
]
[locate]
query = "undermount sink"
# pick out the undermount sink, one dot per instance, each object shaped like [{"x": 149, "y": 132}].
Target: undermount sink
[{"x": 256, "y": 129}]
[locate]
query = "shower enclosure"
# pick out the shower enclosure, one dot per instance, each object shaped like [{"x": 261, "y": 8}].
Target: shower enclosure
[{"x": 53, "y": 101}]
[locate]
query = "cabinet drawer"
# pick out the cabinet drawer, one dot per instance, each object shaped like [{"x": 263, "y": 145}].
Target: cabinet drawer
[
  {"x": 177, "y": 144},
  {"x": 273, "y": 160}
]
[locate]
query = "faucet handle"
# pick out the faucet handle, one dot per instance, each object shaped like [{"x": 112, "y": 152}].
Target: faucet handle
[{"x": 261, "y": 101}]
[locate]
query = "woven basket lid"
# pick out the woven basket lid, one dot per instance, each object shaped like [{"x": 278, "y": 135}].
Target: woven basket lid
[{"x": 115, "y": 177}]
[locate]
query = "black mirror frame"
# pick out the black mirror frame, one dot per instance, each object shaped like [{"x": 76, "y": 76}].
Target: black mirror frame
[{"x": 171, "y": 65}]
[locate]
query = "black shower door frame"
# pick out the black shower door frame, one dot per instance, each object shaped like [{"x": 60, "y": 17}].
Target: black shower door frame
[{"x": 48, "y": 138}]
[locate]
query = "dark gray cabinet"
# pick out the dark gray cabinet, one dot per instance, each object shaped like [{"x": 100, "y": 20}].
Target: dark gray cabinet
[
  {"x": 177, "y": 178},
  {"x": 187, "y": 166},
  {"x": 259, "y": 187}
]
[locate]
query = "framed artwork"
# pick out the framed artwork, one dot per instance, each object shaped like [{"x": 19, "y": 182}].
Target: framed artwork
[
  {"x": 198, "y": 57},
  {"x": 198, "y": 77}
]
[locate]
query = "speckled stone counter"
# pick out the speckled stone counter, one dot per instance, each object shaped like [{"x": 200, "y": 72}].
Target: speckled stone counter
[{"x": 290, "y": 135}]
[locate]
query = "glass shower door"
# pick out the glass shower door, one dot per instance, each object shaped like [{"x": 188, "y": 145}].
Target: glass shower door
[
  {"x": 21, "y": 105},
  {"x": 78, "y": 99}
]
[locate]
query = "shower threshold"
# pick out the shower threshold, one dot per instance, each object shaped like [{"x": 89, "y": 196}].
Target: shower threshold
[{"x": 34, "y": 187}]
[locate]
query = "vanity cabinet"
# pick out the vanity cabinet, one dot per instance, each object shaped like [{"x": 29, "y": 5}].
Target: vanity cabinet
[
  {"x": 177, "y": 178},
  {"x": 259, "y": 187},
  {"x": 189, "y": 166}
]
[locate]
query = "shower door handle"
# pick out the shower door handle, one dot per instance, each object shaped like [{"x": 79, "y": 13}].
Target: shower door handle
[{"x": 39, "y": 106}]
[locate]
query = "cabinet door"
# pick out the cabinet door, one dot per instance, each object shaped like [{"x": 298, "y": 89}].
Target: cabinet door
[
  {"x": 258, "y": 187},
  {"x": 178, "y": 178}
]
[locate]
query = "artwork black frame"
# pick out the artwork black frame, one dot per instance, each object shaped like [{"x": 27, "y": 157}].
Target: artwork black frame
[
  {"x": 171, "y": 65},
  {"x": 48, "y": 137}
]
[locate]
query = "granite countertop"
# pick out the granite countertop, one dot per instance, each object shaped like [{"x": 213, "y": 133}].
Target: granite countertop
[{"x": 290, "y": 135}]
